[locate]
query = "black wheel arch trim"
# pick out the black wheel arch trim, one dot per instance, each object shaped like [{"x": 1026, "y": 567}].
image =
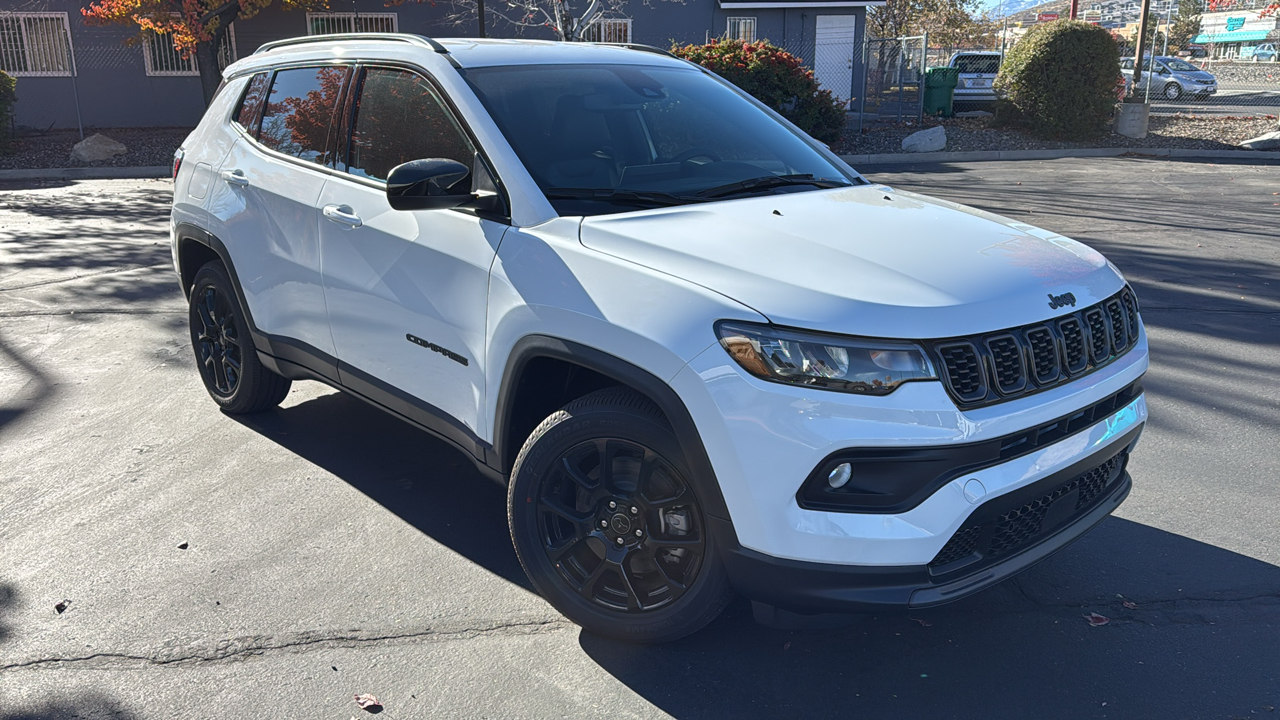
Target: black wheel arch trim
[{"x": 625, "y": 373}]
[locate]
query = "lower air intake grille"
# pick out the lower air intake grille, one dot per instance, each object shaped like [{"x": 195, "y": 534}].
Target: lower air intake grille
[{"x": 1013, "y": 528}]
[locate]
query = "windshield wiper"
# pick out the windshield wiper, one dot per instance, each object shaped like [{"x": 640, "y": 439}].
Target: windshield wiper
[
  {"x": 621, "y": 196},
  {"x": 769, "y": 181}
]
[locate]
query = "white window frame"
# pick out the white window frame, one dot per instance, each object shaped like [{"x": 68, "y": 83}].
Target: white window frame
[
  {"x": 736, "y": 33},
  {"x": 191, "y": 65},
  {"x": 351, "y": 17},
  {"x": 37, "y": 56},
  {"x": 596, "y": 31}
]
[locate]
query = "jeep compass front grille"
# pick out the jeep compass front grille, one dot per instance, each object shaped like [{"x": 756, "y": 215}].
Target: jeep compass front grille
[{"x": 1006, "y": 364}]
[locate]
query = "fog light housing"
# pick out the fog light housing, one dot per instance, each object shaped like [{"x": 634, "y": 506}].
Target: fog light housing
[{"x": 840, "y": 475}]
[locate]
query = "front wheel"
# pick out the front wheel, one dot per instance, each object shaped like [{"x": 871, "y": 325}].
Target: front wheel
[
  {"x": 1172, "y": 91},
  {"x": 607, "y": 524}
]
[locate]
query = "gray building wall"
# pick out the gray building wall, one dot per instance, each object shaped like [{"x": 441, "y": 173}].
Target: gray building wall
[{"x": 115, "y": 91}]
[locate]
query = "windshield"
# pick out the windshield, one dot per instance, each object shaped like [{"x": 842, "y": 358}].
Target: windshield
[
  {"x": 977, "y": 64},
  {"x": 609, "y": 138},
  {"x": 1180, "y": 65}
]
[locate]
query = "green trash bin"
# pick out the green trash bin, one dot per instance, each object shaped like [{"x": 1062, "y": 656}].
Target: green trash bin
[{"x": 939, "y": 86}]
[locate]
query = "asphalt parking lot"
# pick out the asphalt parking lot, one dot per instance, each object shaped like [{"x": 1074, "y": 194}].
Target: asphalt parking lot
[{"x": 276, "y": 566}]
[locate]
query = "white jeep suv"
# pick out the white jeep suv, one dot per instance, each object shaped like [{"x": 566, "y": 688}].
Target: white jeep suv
[{"x": 702, "y": 352}]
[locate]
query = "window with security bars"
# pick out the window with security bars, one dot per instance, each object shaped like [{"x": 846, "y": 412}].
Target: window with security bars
[
  {"x": 742, "y": 28},
  {"x": 35, "y": 44},
  {"x": 609, "y": 30},
  {"x": 163, "y": 59},
  {"x": 328, "y": 23}
]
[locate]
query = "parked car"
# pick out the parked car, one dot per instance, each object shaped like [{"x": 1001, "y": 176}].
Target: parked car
[
  {"x": 1265, "y": 52},
  {"x": 702, "y": 353},
  {"x": 1191, "y": 51},
  {"x": 1172, "y": 78},
  {"x": 978, "y": 69}
]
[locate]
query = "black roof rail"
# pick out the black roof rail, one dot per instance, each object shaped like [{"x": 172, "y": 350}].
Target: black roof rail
[
  {"x": 641, "y": 48},
  {"x": 419, "y": 40}
]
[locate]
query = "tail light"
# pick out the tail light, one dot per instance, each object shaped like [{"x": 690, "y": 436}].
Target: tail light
[{"x": 177, "y": 162}]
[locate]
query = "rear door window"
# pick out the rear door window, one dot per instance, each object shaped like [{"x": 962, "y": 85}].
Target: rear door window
[
  {"x": 299, "y": 112},
  {"x": 397, "y": 118}
]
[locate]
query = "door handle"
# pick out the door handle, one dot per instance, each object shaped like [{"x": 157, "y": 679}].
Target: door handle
[
  {"x": 235, "y": 177},
  {"x": 342, "y": 214}
]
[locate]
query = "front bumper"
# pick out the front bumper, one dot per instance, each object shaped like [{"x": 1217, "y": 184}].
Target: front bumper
[{"x": 1003, "y": 537}]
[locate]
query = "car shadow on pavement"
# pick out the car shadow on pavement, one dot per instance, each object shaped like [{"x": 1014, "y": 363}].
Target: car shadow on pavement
[
  {"x": 79, "y": 707},
  {"x": 425, "y": 481},
  {"x": 8, "y": 599},
  {"x": 1197, "y": 638}
]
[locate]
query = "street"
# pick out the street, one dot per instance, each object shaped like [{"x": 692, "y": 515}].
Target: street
[{"x": 279, "y": 564}]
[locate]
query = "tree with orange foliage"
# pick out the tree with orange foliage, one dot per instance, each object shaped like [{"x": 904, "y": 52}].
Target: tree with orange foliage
[{"x": 195, "y": 27}]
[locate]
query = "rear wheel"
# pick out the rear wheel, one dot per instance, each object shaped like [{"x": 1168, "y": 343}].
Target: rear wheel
[
  {"x": 1172, "y": 91},
  {"x": 234, "y": 376},
  {"x": 607, "y": 525}
]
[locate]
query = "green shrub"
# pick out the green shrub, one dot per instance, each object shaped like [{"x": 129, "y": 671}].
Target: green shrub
[
  {"x": 8, "y": 96},
  {"x": 1061, "y": 79},
  {"x": 776, "y": 78}
]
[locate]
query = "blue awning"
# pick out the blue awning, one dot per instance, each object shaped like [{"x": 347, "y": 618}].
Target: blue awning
[{"x": 1230, "y": 37}]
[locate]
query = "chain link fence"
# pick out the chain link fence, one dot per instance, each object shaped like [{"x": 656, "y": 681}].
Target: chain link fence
[
  {"x": 894, "y": 87},
  {"x": 1239, "y": 89}
]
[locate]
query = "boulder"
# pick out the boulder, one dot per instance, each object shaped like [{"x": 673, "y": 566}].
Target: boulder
[
  {"x": 931, "y": 140},
  {"x": 1268, "y": 141},
  {"x": 96, "y": 148}
]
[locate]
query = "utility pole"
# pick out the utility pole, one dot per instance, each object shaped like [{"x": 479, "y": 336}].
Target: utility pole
[
  {"x": 1142, "y": 46},
  {"x": 480, "y": 17}
]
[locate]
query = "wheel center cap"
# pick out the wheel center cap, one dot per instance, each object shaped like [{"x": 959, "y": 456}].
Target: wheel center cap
[{"x": 620, "y": 524}]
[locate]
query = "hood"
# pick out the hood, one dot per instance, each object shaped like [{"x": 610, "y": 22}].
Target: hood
[{"x": 865, "y": 260}]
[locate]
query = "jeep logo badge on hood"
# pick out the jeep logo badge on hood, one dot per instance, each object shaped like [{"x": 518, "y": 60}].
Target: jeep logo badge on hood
[{"x": 1057, "y": 301}]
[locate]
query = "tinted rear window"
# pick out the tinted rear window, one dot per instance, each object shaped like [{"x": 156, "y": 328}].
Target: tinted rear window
[
  {"x": 984, "y": 64},
  {"x": 299, "y": 112},
  {"x": 246, "y": 115}
]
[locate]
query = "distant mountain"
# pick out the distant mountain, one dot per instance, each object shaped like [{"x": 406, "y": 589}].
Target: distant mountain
[{"x": 1010, "y": 8}]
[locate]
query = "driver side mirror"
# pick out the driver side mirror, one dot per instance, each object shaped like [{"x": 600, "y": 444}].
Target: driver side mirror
[{"x": 432, "y": 184}]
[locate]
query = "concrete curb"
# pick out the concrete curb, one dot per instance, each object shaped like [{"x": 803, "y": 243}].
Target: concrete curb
[
  {"x": 983, "y": 155},
  {"x": 88, "y": 173}
]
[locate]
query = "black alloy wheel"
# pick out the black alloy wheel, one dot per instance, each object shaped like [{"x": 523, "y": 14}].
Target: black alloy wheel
[
  {"x": 620, "y": 525},
  {"x": 217, "y": 342},
  {"x": 606, "y": 521},
  {"x": 225, "y": 355}
]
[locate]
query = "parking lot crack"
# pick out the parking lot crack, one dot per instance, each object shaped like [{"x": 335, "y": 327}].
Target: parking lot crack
[{"x": 240, "y": 648}]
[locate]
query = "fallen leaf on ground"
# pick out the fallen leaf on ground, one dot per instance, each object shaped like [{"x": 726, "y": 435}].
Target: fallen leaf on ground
[
  {"x": 1130, "y": 604},
  {"x": 1096, "y": 620},
  {"x": 183, "y": 546},
  {"x": 62, "y": 606},
  {"x": 923, "y": 622},
  {"x": 368, "y": 702}
]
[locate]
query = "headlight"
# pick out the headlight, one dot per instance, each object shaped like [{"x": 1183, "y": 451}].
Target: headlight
[{"x": 831, "y": 362}]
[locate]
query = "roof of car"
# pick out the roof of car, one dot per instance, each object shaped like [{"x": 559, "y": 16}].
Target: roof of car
[{"x": 463, "y": 52}]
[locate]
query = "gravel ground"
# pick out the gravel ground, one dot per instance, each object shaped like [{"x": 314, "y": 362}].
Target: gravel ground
[
  {"x": 968, "y": 134},
  {"x": 147, "y": 147}
]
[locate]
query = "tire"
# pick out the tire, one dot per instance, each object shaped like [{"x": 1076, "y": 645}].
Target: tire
[
  {"x": 229, "y": 366},
  {"x": 1172, "y": 91},
  {"x": 647, "y": 569}
]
